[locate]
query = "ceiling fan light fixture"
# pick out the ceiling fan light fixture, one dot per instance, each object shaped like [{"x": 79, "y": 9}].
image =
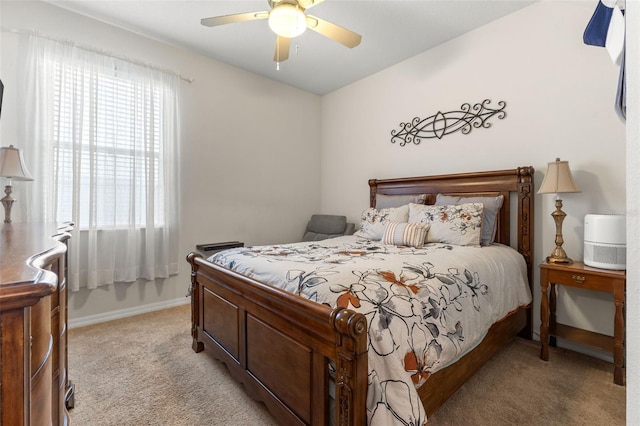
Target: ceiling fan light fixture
[{"x": 287, "y": 20}]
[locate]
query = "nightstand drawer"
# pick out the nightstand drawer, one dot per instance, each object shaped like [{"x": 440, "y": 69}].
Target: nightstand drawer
[{"x": 582, "y": 280}]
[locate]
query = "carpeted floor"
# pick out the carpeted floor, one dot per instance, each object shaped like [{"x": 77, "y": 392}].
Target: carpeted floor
[{"x": 142, "y": 371}]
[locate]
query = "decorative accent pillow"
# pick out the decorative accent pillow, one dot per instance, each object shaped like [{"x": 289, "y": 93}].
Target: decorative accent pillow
[
  {"x": 492, "y": 206},
  {"x": 405, "y": 234},
  {"x": 459, "y": 224},
  {"x": 374, "y": 221},
  {"x": 388, "y": 201}
]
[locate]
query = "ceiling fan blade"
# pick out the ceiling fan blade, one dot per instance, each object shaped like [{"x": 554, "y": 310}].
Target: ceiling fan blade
[
  {"x": 306, "y": 4},
  {"x": 282, "y": 49},
  {"x": 334, "y": 32},
  {"x": 230, "y": 19}
]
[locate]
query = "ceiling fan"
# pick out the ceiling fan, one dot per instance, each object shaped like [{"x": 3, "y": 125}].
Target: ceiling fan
[{"x": 288, "y": 19}]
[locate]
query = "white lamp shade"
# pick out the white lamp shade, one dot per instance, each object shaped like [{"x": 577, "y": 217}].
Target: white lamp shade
[
  {"x": 558, "y": 179},
  {"x": 12, "y": 164},
  {"x": 287, "y": 20}
]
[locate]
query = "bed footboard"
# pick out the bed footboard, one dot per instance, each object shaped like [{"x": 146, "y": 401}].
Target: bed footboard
[{"x": 280, "y": 346}]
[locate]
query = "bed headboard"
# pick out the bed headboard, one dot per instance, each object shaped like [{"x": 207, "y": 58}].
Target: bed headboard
[{"x": 510, "y": 183}]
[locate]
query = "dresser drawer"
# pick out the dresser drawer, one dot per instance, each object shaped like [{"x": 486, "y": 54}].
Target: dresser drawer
[
  {"x": 41, "y": 363},
  {"x": 40, "y": 338},
  {"x": 583, "y": 280}
]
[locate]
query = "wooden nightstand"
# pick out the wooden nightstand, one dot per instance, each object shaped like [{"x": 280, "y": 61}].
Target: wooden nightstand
[{"x": 581, "y": 276}]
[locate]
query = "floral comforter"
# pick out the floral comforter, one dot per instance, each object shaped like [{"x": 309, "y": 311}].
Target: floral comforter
[{"x": 424, "y": 307}]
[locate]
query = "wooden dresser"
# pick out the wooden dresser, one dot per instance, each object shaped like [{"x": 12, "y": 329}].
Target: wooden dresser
[{"x": 34, "y": 386}]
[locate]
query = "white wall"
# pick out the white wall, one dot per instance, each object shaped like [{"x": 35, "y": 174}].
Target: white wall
[
  {"x": 559, "y": 94},
  {"x": 633, "y": 213},
  {"x": 245, "y": 175}
]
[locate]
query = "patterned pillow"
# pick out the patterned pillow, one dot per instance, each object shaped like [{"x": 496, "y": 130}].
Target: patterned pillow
[
  {"x": 374, "y": 221},
  {"x": 459, "y": 224},
  {"x": 492, "y": 207},
  {"x": 405, "y": 234}
]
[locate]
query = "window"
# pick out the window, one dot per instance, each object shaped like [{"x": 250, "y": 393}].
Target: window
[
  {"x": 102, "y": 136},
  {"x": 114, "y": 166}
]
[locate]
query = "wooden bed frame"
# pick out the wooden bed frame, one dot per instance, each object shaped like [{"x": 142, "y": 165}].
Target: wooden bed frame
[{"x": 279, "y": 345}]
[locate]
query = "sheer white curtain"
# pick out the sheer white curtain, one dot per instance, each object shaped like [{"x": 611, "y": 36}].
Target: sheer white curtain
[{"x": 101, "y": 137}]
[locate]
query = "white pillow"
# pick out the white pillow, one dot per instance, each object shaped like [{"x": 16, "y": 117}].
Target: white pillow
[
  {"x": 459, "y": 224},
  {"x": 374, "y": 221},
  {"x": 405, "y": 234}
]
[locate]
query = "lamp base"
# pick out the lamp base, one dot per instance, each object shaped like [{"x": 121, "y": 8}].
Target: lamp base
[
  {"x": 558, "y": 255},
  {"x": 559, "y": 260},
  {"x": 7, "y": 202}
]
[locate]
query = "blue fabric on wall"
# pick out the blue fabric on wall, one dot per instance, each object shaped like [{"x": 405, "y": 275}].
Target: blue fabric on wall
[
  {"x": 596, "y": 35},
  {"x": 596, "y": 32}
]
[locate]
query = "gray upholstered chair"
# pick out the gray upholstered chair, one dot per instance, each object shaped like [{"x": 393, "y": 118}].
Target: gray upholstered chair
[{"x": 323, "y": 226}]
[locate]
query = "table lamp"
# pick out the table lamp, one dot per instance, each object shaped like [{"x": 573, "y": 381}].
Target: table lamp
[
  {"x": 558, "y": 180},
  {"x": 12, "y": 167}
]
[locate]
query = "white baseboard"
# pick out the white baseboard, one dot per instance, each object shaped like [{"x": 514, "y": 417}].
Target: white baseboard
[{"x": 124, "y": 313}]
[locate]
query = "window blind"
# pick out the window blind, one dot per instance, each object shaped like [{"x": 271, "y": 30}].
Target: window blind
[{"x": 108, "y": 148}]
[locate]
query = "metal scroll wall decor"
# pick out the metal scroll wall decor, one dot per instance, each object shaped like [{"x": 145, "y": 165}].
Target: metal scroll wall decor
[{"x": 444, "y": 123}]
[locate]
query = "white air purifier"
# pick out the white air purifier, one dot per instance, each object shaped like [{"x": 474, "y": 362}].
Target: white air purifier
[{"x": 605, "y": 241}]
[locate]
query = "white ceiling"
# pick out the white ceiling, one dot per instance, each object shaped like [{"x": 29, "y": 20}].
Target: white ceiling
[{"x": 392, "y": 30}]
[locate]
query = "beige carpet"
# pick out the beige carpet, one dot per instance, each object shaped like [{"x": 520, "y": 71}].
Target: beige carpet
[{"x": 142, "y": 371}]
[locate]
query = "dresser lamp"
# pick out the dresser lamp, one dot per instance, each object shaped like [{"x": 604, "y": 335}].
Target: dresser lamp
[
  {"x": 558, "y": 180},
  {"x": 12, "y": 167}
]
